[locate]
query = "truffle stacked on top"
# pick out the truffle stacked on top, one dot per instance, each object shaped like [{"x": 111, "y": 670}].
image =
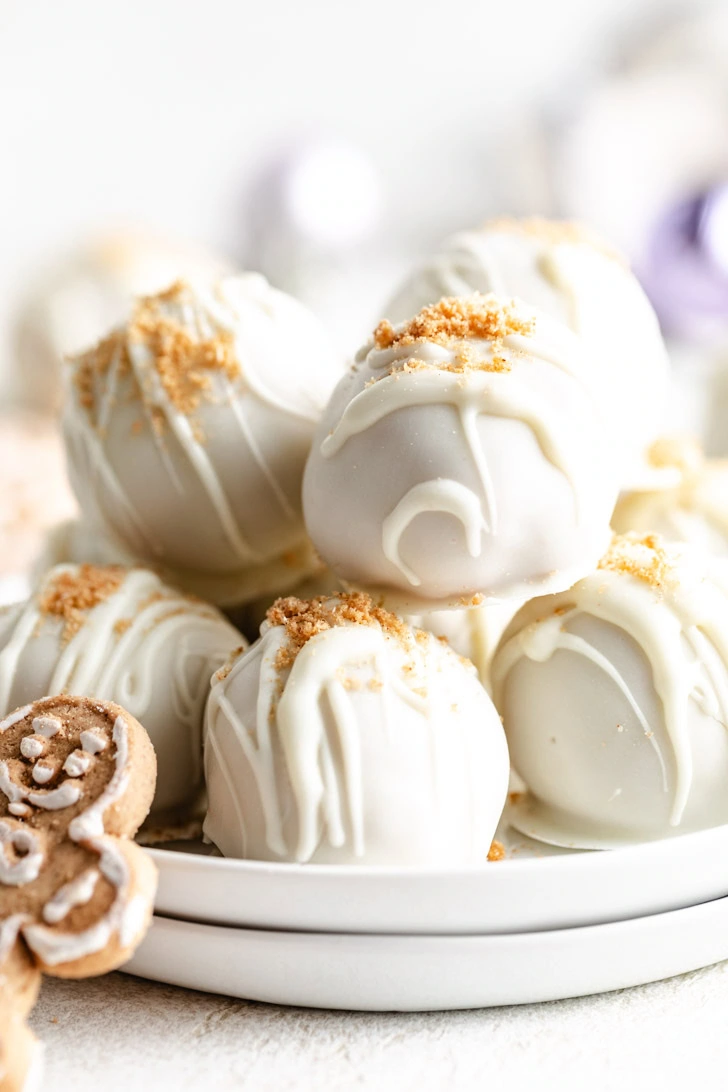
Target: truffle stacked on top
[
  {"x": 121, "y": 635},
  {"x": 465, "y": 456},
  {"x": 345, "y": 736},
  {"x": 569, "y": 273},
  {"x": 614, "y": 696},
  {"x": 187, "y": 431}
]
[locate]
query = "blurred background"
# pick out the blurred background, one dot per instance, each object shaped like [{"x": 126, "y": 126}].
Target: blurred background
[{"x": 331, "y": 145}]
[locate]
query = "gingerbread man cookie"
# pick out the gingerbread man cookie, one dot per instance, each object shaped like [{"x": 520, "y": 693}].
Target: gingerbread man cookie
[{"x": 76, "y": 781}]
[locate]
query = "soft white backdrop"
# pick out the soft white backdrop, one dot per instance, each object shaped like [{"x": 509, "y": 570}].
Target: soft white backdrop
[{"x": 158, "y": 111}]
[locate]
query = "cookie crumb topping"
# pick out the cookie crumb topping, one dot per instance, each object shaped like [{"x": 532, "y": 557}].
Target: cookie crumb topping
[
  {"x": 456, "y": 318},
  {"x": 71, "y": 594},
  {"x": 641, "y": 556}
]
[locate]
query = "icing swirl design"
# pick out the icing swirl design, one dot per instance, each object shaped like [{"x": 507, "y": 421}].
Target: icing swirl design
[{"x": 105, "y": 889}]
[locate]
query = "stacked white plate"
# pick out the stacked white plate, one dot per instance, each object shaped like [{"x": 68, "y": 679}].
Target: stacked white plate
[{"x": 540, "y": 925}]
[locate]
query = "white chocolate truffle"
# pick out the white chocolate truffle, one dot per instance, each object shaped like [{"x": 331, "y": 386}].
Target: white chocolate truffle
[
  {"x": 464, "y": 455},
  {"x": 188, "y": 430},
  {"x": 691, "y": 507},
  {"x": 343, "y": 736},
  {"x": 570, "y": 274},
  {"x": 121, "y": 635},
  {"x": 88, "y": 292},
  {"x": 614, "y": 697}
]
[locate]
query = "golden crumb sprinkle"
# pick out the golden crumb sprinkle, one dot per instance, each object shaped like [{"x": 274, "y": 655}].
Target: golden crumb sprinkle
[
  {"x": 71, "y": 594},
  {"x": 641, "y": 556},
  {"x": 455, "y": 318},
  {"x": 182, "y": 359},
  {"x": 306, "y": 618},
  {"x": 497, "y": 852},
  {"x": 555, "y": 232}
]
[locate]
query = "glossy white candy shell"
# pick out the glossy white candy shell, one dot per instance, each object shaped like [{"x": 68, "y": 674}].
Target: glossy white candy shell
[
  {"x": 232, "y": 500},
  {"x": 592, "y": 292},
  {"x": 419, "y": 973},
  {"x": 536, "y": 888},
  {"x": 419, "y": 766},
  {"x": 548, "y": 524},
  {"x": 598, "y": 776}
]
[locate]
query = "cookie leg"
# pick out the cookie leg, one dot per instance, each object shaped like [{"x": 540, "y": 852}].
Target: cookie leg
[{"x": 21, "y": 1055}]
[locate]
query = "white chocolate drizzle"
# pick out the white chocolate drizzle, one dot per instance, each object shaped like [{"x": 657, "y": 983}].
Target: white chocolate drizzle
[
  {"x": 690, "y": 614},
  {"x": 506, "y": 394},
  {"x": 442, "y": 495},
  {"x": 266, "y": 336},
  {"x": 114, "y": 654},
  {"x": 327, "y": 805}
]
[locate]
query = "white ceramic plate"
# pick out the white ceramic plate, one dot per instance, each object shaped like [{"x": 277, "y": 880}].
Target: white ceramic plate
[
  {"x": 535, "y": 888},
  {"x": 399, "y": 973}
]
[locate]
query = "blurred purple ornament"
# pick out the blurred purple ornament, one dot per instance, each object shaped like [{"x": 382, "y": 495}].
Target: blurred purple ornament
[
  {"x": 310, "y": 210},
  {"x": 685, "y": 267}
]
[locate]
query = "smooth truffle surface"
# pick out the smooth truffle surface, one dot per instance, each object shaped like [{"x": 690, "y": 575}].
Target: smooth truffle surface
[
  {"x": 569, "y": 273},
  {"x": 343, "y": 736},
  {"x": 614, "y": 697},
  {"x": 187, "y": 432},
  {"x": 464, "y": 456},
  {"x": 121, "y": 635}
]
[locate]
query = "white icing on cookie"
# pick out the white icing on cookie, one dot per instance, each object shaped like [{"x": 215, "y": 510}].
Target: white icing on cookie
[
  {"x": 90, "y": 823},
  {"x": 42, "y": 772},
  {"x": 77, "y": 764},
  {"x": 76, "y": 893},
  {"x": 47, "y": 726},
  {"x": 92, "y": 743},
  {"x": 20, "y": 840},
  {"x": 33, "y": 746}
]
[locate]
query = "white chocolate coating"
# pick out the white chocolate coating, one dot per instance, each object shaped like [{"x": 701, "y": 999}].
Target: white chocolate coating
[
  {"x": 212, "y": 493},
  {"x": 569, "y": 275},
  {"x": 614, "y": 696},
  {"x": 694, "y": 508},
  {"x": 147, "y": 647},
  {"x": 433, "y": 483},
  {"x": 364, "y": 751}
]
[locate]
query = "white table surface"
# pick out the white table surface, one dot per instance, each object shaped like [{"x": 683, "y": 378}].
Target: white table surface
[{"x": 119, "y": 1032}]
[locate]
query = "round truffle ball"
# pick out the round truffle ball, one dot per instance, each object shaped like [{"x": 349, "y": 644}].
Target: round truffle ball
[
  {"x": 464, "y": 455},
  {"x": 690, "y": 504},
  {"x": 570, "y": 274},
  {"x": 343, "y": 736},
  {"x": 188, "y": 429},
  {"x": 121, "y": 635},
  {"x": 78, "y": 300},
  {"x": 614, "y": 697}
]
